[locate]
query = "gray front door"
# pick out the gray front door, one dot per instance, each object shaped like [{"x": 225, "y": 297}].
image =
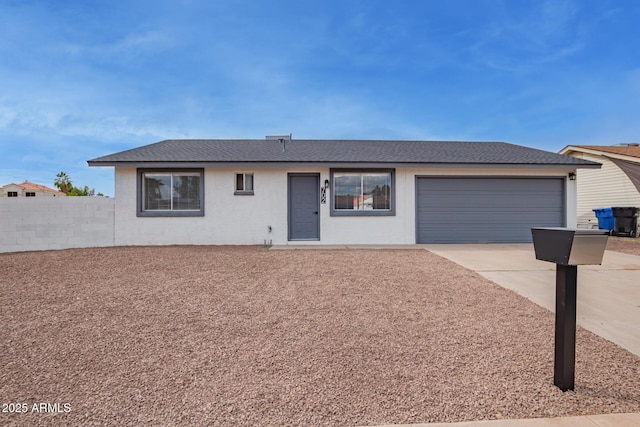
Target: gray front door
[{"x": 304, "y": 207}]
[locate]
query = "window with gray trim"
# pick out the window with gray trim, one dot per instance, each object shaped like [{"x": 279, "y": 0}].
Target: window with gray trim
[
  {"x": 170, "y": 192},
  {"x": 365, "y": 192},
  {"x": 244, "y": 184}
]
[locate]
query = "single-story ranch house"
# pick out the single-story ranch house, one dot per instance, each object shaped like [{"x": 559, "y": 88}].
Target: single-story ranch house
[{"x": 284, "y": 191}]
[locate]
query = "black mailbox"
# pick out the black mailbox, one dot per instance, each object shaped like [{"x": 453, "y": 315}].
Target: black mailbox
[{"x": 567, "y": 248}]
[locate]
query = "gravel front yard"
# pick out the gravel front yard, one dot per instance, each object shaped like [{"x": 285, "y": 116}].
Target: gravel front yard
[
  {"x": 249, "y": 336},
  {"x": 624, "y": 244}
]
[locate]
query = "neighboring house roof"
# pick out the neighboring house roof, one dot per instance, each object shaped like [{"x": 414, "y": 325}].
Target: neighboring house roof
[
  {"x": 217, "y": 151},
  {"x": 626, "y": 157},
  {"x": 30, "y": 186},
  {"x": 624, "y": 152}
]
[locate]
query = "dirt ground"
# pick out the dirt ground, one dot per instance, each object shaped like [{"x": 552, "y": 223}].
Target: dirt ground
[
  {"x": 624, "y": 244},
  {"x": 247, "y": 336}
]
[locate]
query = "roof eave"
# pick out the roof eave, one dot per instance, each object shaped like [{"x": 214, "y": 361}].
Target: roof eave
[
  {"x": 188, "y": 164},
  {"x": 595, "y": 152}
]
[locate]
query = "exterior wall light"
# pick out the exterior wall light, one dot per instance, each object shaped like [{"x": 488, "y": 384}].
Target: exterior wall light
[{"x": 572, "y": 176}]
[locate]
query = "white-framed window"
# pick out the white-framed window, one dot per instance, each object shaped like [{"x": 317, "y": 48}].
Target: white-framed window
[
  {"x": 244, "y": 184},
  {"x": 30, "y": 194},
  {"x": 170, "y": 192},
  {"x": 12, "y": 194},
  {"x": 364, "y": 192}
]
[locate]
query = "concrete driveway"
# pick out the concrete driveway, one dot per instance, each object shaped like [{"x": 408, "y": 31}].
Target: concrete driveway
[{"x": 608, "y": 295}]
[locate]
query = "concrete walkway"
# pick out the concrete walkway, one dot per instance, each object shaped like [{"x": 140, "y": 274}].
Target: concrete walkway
[
  {"x": 610, "y": 420},
  {"x": 608, "y": 295}
]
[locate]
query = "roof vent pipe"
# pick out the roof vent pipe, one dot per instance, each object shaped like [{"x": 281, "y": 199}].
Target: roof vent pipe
[{"x": 282, "y": 138}]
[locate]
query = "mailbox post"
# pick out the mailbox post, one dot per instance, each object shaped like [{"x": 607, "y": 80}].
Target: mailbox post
[{"x": 567, "y": 248}]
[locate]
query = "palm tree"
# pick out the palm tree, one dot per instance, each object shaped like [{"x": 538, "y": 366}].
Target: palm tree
[{"x": 63, "y": 182}]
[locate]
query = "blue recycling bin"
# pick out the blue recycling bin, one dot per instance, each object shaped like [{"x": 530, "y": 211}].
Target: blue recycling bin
[{"x": 605, "y": 218}]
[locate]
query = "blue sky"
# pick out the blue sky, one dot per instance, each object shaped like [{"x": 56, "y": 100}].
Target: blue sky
[{"x": 82, "y": 79}]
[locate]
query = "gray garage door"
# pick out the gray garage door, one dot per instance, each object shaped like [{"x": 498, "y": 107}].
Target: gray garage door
[{"x": 492, "y": 210}]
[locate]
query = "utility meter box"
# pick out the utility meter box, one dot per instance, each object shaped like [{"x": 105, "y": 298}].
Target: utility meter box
[{"x": 569, "y": 246}]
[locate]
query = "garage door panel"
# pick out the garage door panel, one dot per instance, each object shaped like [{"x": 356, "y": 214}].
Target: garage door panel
[
  {"x": 486, "y": 209},
  {"x": 479, "y": 223}
]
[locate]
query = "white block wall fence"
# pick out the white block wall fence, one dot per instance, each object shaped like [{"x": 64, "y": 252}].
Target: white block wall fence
[{"x": 41, "y": 223}]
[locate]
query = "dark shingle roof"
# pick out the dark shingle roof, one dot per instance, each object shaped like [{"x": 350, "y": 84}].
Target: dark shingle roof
[{"x": 336, "y": 152}]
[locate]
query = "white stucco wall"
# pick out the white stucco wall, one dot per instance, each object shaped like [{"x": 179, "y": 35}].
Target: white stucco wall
[
  {"x": 228, "y": 219},
  {"x": 231, "y": 219}
]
